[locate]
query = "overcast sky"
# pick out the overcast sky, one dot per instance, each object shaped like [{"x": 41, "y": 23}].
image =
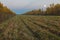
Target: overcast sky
[{"x": 21, "y": 6}]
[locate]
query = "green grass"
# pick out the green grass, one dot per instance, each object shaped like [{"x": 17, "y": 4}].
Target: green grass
[{"x": 29, "y": 27}]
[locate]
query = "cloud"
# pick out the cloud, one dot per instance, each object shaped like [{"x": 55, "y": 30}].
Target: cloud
[
  {"x": 27, "y": 4},
  {"x": 16, "y": 3}
]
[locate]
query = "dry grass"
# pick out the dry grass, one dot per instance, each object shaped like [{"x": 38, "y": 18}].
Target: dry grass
[{"x": 29, "y": 27}]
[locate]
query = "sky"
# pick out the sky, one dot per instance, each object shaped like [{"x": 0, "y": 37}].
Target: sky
[{"x": 22, "y": 6}]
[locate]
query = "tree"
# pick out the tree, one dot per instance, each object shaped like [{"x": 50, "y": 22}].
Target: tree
[
  {"x": 1, "y": 5},
  {"x": 53, "y": 9},
  {"x": 57, "y": 9}
]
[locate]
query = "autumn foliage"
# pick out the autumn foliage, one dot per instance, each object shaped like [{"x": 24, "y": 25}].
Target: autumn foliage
[
  {"x": 51, "y": 10},
  {"x": 5, "y": 13}
]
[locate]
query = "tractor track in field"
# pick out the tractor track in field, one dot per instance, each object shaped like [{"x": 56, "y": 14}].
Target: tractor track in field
[
  {"x": 48, "y": 23},
  {"x": 36, "y": 35},
  {"x": 27, "y": 28},
  {"x": 45, "y": 27}
]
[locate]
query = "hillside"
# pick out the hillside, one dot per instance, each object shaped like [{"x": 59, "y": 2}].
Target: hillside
[
  {"x": 5, "y": 13},
  {"x": 28, "y": 27}
]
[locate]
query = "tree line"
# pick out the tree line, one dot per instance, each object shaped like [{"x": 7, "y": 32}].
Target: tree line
[
  {"x": 5, "y": 13},
  {"x": 51, "y": 10}
]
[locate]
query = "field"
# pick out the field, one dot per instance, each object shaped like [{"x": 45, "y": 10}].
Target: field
[{"x": 29, "y": 27}]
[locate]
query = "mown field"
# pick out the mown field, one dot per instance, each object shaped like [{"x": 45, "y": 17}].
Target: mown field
[{"x": 29, "y": 27}]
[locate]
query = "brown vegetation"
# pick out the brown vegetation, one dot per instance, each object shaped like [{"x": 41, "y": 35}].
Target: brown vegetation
[
  {"x": 52, "y": 10},
  {"x": 31, "y": 27},
  {"x": 5, "y": 13}
]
